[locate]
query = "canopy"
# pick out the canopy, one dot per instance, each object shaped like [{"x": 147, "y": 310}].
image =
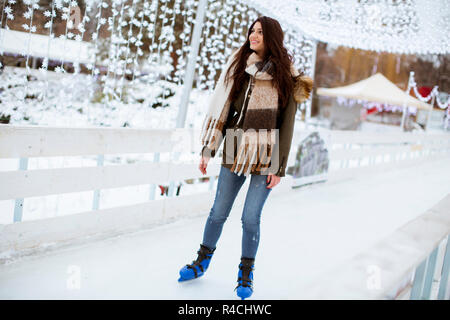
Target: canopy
[{"x": 376, "y": 88}]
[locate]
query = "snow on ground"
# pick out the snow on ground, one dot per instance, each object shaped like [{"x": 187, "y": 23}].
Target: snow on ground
[{"x": 303, "y": 234}]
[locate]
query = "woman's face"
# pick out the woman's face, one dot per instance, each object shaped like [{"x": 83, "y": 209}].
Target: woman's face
[{"x": 256, "y": 38}]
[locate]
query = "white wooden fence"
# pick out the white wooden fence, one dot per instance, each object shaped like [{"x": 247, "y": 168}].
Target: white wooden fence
[
  {"x": 355, "y": 153},
  {"x": 351, "y": 153},
  {"x": 24, "y": 142}
]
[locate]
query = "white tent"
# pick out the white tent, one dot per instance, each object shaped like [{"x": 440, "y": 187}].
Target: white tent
[{"x": 376, "y": 88}]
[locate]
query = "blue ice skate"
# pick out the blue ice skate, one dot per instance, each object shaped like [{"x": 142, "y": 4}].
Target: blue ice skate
[
  {"x": 198, "y": 267},
  {"x": 244, "y": 288}
]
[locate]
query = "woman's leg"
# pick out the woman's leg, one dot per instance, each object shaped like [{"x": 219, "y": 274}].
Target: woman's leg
[
  {"x": 256, "y": 196},
  {"x": 228, "y": 187}
]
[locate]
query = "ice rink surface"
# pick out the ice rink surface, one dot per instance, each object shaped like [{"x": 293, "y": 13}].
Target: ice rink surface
[{"x": 303, "y": 234}]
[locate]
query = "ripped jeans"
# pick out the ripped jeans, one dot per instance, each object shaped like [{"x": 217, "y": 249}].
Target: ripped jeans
[{"x": 228, "y": 186}]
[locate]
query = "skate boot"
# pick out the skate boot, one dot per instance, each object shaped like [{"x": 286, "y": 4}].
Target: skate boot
[
  {"x": 244, "y": 288},
  {"x": 198, "y": 267}
]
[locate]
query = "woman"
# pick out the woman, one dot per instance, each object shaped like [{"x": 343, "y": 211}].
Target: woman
[{"x": 253, "y": 105}]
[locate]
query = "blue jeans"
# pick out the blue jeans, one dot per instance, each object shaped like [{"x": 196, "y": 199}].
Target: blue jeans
[{"x": 228, "y": 186}]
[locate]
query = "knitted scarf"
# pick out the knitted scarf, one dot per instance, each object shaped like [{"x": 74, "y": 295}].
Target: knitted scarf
[{"x": 259, "y": 135}]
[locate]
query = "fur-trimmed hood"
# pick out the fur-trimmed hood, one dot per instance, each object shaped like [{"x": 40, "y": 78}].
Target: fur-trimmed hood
[
  {"x": 302, "y": 88},
  {"x": 303, "y": 84}
]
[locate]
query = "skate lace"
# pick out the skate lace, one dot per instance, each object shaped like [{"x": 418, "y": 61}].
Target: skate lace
[
  {"x": 197, "y": 263},
  {"x": 246, "y": 281}
]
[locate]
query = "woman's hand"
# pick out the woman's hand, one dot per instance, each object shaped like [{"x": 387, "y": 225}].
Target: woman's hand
[
  {"x": 272, "y": 181},
  {"x": 203, "y": 164}
]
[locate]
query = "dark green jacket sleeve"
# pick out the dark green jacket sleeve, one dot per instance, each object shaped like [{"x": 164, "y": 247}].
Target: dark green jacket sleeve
[{"x": 286, "y": 132}]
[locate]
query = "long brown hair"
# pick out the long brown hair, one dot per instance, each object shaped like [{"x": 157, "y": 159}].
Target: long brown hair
[{"x": 274, "y": 51}]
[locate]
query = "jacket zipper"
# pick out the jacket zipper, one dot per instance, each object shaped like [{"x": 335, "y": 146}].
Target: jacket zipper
[{"x": 245, "y": 100}]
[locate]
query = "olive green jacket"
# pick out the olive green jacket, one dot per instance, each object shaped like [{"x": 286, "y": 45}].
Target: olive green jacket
[{"x": 285, "y": 123}]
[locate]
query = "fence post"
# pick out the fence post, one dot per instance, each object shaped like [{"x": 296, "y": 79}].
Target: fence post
[
  {"x": 153, "y": 186},
  {"x": 18, "y": 207},
  {"x": 96, "y": 199},
  {"x": 347, "y": 146},
  {"x": 212, "y": 179},
  {"x": 431, "y": 265},
  {"x": 372, "y": 158},
  {"x": 176, "y": 156},
  {"x": 418, "y": 281},
  {"x": 445, "y": 270}
]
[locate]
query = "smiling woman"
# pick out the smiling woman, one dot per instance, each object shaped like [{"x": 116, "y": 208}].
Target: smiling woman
[
  {"x": 255, "y": 101},
  {"x": 257, "y": 39}
]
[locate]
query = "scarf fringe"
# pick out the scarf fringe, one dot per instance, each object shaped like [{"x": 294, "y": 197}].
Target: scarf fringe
[
  {"x": 209, "y": 133},
  {"x": 253, "y": 154}
]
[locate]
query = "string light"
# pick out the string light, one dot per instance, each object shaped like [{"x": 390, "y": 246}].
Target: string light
[
  {"x": 407, "y": 26},
  {"x": 128, "y": 39}
]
